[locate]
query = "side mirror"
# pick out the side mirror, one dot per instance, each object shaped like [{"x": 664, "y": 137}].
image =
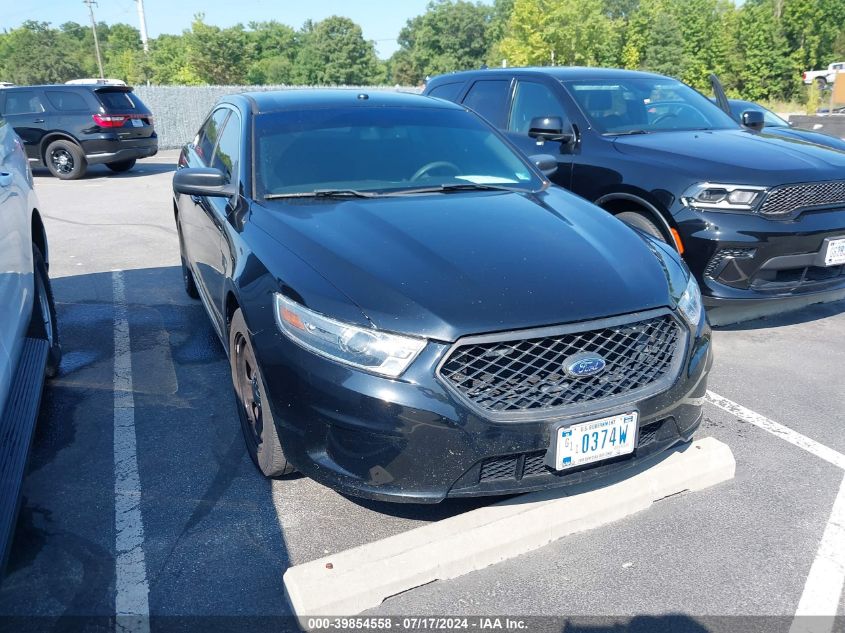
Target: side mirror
[
  {"x": 202, "y": 181},
  {"x": 546, "y": 163},
  {"x": 753, "y": 120},
  {"x": 549, "y": 128}
]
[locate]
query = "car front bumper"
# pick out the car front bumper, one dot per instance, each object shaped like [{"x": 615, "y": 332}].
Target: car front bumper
[
  {"x": 744, "y": 257},
  {"x": 412, "y": 440}
]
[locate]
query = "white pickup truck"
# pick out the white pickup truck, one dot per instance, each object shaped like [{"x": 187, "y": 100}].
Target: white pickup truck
[{"x": 823, "y": 77}]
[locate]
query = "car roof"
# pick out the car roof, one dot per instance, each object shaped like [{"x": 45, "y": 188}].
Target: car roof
[
  {"x": 277, "y": 100},
  {"x": 557, "y": 72},
  {"x": 72, "y": 87}
]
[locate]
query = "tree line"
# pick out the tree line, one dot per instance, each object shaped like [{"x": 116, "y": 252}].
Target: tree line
[{"x": 758, "y": 48}]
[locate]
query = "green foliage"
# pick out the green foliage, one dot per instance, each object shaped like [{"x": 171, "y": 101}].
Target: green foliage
[
  {"x": 451, "y": 35},
  {"x": 218, "y": 56},
  {"x": 334, "y": 52},
  {"x": 562, "y": 32},
  {"x": 33, "y": 54}
]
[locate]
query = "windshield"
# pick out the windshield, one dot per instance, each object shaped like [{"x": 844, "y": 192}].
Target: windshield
[
  {"x": 382, "y": 150},
  {"x": 642, "y": 105},
  {"x": 770, "y": 118}
]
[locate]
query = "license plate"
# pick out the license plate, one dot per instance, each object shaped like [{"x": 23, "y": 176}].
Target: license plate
[
  {"x": 137, "y": 123},
  {"x": 835, "y": 255},
  {"x": 595, "y": 441}
]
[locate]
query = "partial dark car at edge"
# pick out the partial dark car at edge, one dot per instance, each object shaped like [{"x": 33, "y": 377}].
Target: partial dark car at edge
[
  {"x": 68, "y": 127},
  {"x": 411, "y": 312},
  {"x": 756, "y": 215}
]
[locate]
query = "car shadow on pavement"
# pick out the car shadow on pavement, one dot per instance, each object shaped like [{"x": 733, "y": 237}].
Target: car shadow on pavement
[{"x": 673, "y": 623}]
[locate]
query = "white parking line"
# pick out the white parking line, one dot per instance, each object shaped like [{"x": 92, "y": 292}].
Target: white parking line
[
  {"x": 781, "y": 431},
  {"x": 131, "y": 601},
  {"x": 823, "y": 588}
]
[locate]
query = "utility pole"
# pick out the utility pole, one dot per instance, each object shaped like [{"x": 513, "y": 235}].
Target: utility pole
[
  {"x": 143, "y": 20},
  {"x": 91, "y": 4}
]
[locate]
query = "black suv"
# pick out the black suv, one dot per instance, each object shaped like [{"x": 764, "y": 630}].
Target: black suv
[
  {"x": 68, "y": 127},
  {"x": 755, "y": 215}
]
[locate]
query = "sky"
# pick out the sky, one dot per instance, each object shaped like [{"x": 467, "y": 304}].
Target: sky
[{"x": 381, "y": 20}]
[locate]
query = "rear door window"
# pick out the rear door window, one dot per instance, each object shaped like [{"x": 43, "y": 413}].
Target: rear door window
[
  {"x": 489, "y": 98},
  {"x": 116, "y": 101},
  {"x": 23, "y": 102},
  {"x": 66, "y": 101},
  {"x": 207, "y": 137},
  {"x": 449, "y": 92}
]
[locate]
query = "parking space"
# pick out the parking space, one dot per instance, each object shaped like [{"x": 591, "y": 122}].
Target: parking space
[{"x": 216, "y": 537}]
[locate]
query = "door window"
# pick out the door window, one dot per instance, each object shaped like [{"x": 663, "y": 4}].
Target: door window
[
  {"x": 64, "y": 100},
  {"x": 532, "y": 100},
  {"x": 489, "y": 98},
  {"x": 23, "y": 102},
  {"x": 207, "y": 137},
  {"x": 228, "y": 148},
  {"x": 449, "y": 92}
]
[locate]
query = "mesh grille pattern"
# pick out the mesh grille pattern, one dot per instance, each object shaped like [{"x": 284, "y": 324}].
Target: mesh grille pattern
[
  {"x": 791, "y": 198},
  {"x": 498, "y": 468},
  {"x": 528, "y": 374},
  {"x": 727, "y": 253},
  {"x": 535, "y": 464}
]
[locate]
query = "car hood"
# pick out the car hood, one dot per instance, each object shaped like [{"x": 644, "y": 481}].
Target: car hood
[
  {"x": 736, "y": 156},
  {"x": 448, "y": 265},
  {"x": 807, "y": 136}
]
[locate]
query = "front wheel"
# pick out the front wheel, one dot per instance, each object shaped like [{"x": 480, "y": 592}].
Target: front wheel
[
  {"x": 42, "y": 324},
  {"x": 641, "y": 222},
  {"x": 121, "y": 166},
  {"x": 257, "y": 423}
]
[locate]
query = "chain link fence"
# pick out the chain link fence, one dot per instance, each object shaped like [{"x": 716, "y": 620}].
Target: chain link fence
[{"x": 180, "y": 110}]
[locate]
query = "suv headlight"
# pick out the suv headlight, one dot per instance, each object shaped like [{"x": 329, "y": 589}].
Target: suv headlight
[
  {"x": 717, "y": 197},
  {"x": 371, "y": 350},
  {"x": 690, "y": 304}
]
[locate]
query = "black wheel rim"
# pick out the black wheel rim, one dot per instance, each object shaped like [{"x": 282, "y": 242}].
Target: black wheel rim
[
  {"x": 248, "y": 384},
  {"x": 62, "y": 160}
]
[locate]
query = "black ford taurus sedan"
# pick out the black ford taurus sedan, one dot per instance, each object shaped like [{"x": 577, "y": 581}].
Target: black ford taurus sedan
[{"x": 412, "y": 311}]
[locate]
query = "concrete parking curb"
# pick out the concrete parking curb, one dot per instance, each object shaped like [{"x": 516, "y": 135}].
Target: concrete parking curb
[{"x": 357, "y": 579}]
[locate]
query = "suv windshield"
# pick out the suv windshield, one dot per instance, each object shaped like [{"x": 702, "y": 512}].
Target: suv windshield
[
  {"x": 381, "y": 151},
  {"x": 642, "y": 105}
]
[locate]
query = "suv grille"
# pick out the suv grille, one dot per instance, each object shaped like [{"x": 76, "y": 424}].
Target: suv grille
[
  {"x": 791, "y": 198},
  {"x": 527, "y": 375}
]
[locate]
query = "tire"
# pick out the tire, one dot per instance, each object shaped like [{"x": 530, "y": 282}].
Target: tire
[
  {"x": 65, "y": 160},
  {"x": 257, "y": 422},
  {"x": 43, "y": 323},
  {"x": 187, "y": 274},
  {"x": 821, "y": 83},
  {"x": 643, "y": 223},
  {"x": 121, "y": 166}
]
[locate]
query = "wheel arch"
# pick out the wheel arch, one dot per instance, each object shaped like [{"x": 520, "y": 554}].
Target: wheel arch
[
  {"x": 619, "y": 202},
  {"x": 55, "y": 136},
  {"x": 39, "y": 236}
]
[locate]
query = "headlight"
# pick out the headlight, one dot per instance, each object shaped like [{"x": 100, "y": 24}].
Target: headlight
[
  {"x": 367, "y": 349},
  {"x": 690, "y": 304},
  {"x": 723, "y": 197}
]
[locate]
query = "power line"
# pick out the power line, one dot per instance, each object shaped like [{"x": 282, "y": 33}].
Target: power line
[{"x": 90, "y": 4}]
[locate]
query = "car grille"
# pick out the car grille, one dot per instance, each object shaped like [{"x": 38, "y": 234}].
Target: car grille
[
  {"x": 790, "y": 198},
  {"x": 526, "y": 375}
]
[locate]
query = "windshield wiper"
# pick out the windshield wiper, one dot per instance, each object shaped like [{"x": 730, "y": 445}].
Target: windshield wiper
[
  {"x": 628, "y": 133},
  {"x": 324, "y": 193},
  {"x": 463, "y": 186}
]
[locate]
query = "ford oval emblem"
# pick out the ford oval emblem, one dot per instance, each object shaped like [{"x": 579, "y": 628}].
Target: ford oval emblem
[{"x": 584, "y": 365}]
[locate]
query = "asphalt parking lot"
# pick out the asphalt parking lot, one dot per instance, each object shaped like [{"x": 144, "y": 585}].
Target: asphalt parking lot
[{"x": 217, "y": 537}]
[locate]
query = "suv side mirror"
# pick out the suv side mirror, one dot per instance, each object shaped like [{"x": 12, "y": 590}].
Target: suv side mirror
[
  {"x": 753, "y": 120},
  {"x": 202, "y": 181},
  {"x": 549, "y": 128}
]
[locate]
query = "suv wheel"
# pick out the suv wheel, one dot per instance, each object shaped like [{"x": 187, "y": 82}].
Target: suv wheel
[
  {"x": 257, "y": 423},
  {"x": 65, "y": 160},
  {"x": 42, "y": 324},
  {"x": 121, "y": 166}
]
